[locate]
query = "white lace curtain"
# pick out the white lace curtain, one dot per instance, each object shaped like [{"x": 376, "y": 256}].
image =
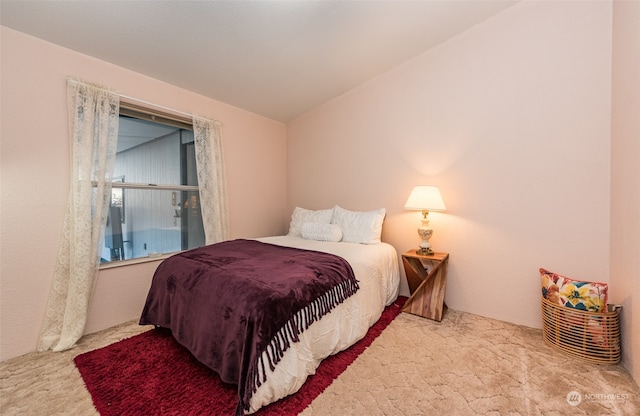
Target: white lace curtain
[
  {"x": 93, "y": 120},
  {"x": 211, "y": 179},
  {"x": 93, "y": 124}
]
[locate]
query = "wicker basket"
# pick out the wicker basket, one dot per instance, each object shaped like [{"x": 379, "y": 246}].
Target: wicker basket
[{"x": 591, "y": 336}]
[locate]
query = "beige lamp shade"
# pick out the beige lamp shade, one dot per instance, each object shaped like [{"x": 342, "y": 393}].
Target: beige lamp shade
[{"x": 425, "y": 198}]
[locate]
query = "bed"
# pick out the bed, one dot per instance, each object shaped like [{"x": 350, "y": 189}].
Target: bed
[{"x": 374, "y": 267}]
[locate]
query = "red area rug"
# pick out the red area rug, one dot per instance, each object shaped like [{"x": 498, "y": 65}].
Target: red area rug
[{"x": 151, "y": 374}]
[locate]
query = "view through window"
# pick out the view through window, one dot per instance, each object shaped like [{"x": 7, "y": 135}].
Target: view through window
[{"x": 155, "y": 201}]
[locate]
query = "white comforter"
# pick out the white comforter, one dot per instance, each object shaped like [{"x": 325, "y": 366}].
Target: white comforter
[{"x": 376, "y": 268}]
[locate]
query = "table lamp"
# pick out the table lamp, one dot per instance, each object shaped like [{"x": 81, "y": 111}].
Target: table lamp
[{"x": 425, "y": 199}]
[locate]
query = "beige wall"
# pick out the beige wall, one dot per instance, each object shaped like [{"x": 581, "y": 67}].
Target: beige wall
[
  {"x": 511, "y": 119},
  {"x": 625, "y": 177},
  {"x": 35, "y": 180}
]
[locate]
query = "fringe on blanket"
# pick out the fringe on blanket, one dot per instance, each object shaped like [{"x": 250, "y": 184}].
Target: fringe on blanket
[{"x": 290, "y": 332}]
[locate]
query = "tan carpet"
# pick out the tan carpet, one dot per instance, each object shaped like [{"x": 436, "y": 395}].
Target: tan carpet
[{"x": 465, "y": 365}]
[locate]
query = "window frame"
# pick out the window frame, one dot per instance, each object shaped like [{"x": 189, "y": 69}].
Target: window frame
[{"x": 134, "y": 110}]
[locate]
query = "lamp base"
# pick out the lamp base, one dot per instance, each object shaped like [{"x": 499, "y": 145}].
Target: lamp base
[
  {"x": 424, "y": 251},
  {"x": 425, "y": 234}
]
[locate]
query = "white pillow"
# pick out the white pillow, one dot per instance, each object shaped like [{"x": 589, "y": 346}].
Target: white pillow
[
  {"x": 359, "y": 227},
  {"x": 321, "y": 232},
  {"x": 301, "y": 215}
]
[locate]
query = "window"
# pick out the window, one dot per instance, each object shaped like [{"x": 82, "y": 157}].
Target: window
[{"x": 155, "y": 200}]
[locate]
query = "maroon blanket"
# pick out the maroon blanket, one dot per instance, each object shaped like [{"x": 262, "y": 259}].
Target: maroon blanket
[{"x": 230, "y": 302}]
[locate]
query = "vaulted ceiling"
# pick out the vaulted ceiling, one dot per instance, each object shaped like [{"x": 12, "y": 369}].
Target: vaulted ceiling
[{"x": 279, "y": 59}]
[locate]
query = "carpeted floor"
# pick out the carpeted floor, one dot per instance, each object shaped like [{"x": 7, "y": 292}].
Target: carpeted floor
[{"x": 465, "y": 365}]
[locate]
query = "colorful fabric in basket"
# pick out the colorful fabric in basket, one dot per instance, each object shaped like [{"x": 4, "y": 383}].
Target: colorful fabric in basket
[{"x": 576, "y": 294}]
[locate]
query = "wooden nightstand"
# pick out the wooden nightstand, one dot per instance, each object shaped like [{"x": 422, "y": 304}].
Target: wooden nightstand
[{"x": 427, "y": 279}]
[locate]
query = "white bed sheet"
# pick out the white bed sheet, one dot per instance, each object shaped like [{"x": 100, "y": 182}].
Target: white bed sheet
[{"x": 376, "y": 268}]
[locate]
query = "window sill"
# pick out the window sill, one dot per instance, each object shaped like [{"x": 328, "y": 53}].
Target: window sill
[{"x": 140, "y": 260}]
